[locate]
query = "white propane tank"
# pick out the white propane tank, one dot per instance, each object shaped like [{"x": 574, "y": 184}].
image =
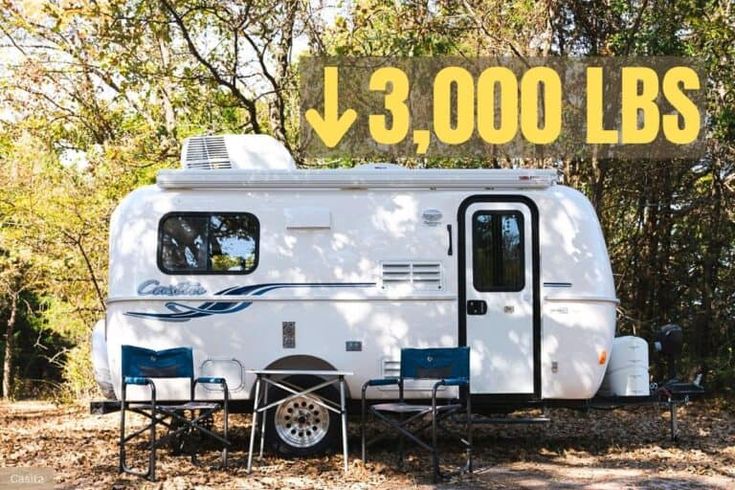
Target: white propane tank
[
  {"x": 627, "y": 371},
  {"x": 99, "y": 360}
]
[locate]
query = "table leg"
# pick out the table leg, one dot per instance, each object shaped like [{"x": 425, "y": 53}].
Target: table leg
[
  {"x": 674, "y": 426},
  {"x": 264, "y": 417},
  {"x": 343, "y": 413},
  {"x": 254, "y": 423}
]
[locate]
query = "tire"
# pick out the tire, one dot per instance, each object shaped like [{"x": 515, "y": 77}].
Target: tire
[{"x": 300, "y": 427}]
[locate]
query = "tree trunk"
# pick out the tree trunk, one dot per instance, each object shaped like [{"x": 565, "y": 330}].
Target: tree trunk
[
  {"x": 710, "y": 265},
  {"x": 8, "y": 357}
]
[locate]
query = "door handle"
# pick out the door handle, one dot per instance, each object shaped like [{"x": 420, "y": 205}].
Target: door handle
[{"x": 476, "y": 307}]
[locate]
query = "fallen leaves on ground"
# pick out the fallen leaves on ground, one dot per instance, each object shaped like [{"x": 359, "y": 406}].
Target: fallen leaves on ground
[{"x": 626, "y": 448}]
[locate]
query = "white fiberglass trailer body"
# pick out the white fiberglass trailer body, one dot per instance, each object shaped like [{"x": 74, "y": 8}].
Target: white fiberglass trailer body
[{"x": 262, "y": 267}]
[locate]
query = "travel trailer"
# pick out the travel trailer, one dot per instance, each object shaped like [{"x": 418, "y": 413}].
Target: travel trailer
[{"x": 256, "y": 264}]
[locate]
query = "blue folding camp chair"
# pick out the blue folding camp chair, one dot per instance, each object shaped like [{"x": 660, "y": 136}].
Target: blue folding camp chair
[
  {"x": 141, "y": 367},
  {"x": 449, "y": 367}
]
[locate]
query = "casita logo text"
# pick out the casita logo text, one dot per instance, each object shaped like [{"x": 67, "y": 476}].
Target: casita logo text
[{"x": 152, "y": 287}]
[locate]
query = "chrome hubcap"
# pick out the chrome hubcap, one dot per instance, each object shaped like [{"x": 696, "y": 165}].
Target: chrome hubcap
[{"x": 301, "y": 422}]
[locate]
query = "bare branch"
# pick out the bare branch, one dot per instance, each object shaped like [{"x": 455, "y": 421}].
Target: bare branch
[{"x": 248, "y": 103}]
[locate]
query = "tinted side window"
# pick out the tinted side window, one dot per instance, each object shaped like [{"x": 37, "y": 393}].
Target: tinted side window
[
  {"x": 498, "y": 251},
  {"x": 232, "y": 242},
  {"x": 184, "y": 243},
  {"x": 215, "y": 243}
]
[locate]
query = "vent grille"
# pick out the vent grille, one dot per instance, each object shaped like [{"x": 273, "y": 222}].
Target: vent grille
[
  {"x": 206, "y": 153},
  {"x": 414, "y": 275},
  {"x": 391, "y": 368}
]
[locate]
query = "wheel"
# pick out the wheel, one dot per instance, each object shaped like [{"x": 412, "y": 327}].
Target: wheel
[{"x": 302, "y": 427}]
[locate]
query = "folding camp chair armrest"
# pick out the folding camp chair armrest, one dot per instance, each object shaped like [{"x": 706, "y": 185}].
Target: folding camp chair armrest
[
  {"x": 137, "y": 380},
  {"x": 434, "y": 389},
  {"x": 381, "y": 382},
  {"x": 446, "y": 382},
  {"x": 211, "y": 380},
  {"x": 455, "y": 382}
]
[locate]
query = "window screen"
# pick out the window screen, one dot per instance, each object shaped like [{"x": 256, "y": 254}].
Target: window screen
[
  {"x": 208, "y": 243},
  {"x": 498, "y": 251}
]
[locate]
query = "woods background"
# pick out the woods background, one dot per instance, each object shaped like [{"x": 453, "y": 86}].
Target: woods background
[{"x": 96, "y": 96}]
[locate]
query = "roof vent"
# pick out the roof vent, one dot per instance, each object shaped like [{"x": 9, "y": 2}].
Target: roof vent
[{"x": 235, "y": 151}]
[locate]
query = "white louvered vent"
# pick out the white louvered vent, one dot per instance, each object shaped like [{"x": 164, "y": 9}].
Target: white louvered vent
[
  {"x": 206, "y": 153},
  {"x": 391, "y": 368},
  {"x": 425, "y": 276}
]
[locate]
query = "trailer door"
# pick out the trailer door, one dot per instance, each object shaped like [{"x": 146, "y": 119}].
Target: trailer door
[{"x": 500, "y": 311}]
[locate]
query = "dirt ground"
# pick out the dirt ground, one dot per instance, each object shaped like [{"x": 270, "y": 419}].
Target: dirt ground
[{"x": 600, "y": 450}]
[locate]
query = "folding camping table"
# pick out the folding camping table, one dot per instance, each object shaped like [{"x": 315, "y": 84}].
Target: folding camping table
[{"x": 273, "y": 377}]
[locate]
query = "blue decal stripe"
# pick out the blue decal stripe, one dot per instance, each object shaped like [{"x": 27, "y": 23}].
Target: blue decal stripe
[
  {"x": 226, "y": 291},
  {"x": 183, "y": 313}
]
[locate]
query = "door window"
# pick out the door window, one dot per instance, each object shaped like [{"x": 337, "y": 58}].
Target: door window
[{"x": 498, "y": 251}]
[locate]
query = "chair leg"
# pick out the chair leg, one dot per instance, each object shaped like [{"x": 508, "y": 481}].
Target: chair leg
[
  {"x": 121, "y": 466},
  {"x": 362, "y": 426},
  {"x": 343, "y": 416},
  {"x": 400, "y": 445},
  {"x": 192, "y": 433},
  {"x": 226, "y": 415},
  {"x": 254, "y": 424},
  {"x": 469, "y": 432},
  {"x": 152, "y": 457},
  {"x": 400, "y": 417},
  {"x": 434, "y": 447}
]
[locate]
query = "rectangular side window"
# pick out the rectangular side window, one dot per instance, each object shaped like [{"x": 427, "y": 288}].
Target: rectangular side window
[
  {"x": 498, "y": 251},
  {"x": 208, "y": 243}
]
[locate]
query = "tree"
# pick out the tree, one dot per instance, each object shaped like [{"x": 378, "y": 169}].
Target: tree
[
  {"x": 95, "y": 97},
  {"x": 16, "y": 278},
  {"x": 251, "y": 57}
]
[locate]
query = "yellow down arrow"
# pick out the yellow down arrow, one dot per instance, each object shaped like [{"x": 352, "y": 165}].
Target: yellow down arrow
[{"x": 332, "y": 127}]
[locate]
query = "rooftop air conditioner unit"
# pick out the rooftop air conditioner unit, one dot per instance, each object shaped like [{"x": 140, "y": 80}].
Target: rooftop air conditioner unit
[{"x": 235, "y": 151}]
